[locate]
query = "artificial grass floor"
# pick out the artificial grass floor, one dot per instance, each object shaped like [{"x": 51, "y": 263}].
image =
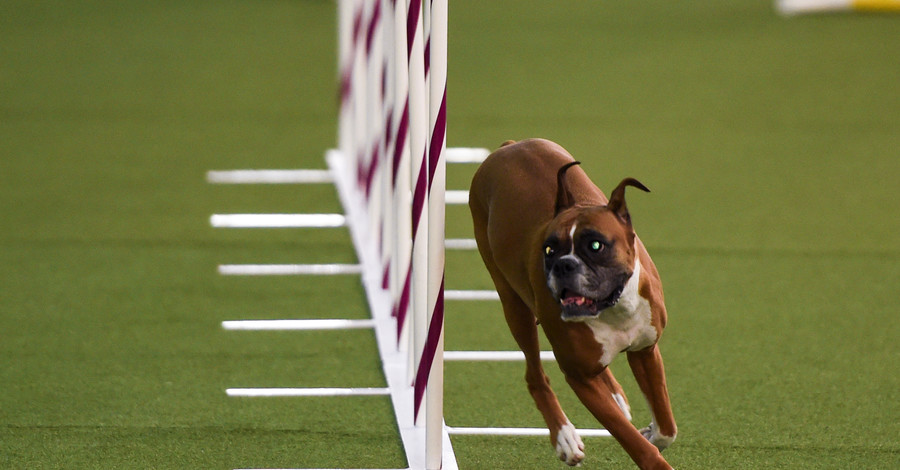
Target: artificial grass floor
[{"x": 770, "y": 146}]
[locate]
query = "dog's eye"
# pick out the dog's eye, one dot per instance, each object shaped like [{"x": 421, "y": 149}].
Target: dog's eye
[
  {"x": 548, "y": 250},
  {"x": 596, "y": 246}
]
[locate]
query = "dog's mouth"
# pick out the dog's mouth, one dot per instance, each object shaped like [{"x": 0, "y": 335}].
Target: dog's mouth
[{"x": 575, "y": 305}]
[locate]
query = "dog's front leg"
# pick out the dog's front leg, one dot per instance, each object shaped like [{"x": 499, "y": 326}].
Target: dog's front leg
[
  {"x": 563, "y": 437},
  {"x": 647, "y": 366},
  {"x": 598, "y": 398}
]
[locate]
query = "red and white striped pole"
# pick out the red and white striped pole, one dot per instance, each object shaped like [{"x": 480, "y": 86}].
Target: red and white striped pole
[
  {"x": 351, "y": 130},
  {"x": 401, "y": 180},
  {"x": 359, "y": 97},
  {"x": 429, "y": 374},
  {"x": 372, "y": 159},
  {"x": 418, "y": 139},
  {"x": 345, "y": 75},
  {"x": 387, "y": 229}
]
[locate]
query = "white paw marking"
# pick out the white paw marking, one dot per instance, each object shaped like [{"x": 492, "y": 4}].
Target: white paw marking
[
  {"x": 569, "y": 447},
  {"x": 620, "y": 400},
  {"x": 653, "y": 435}
]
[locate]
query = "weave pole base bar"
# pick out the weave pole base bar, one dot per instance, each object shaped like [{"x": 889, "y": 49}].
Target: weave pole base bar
[
  {"x": 297, "y": 325},
  {"x": 467, "y": 154},
  {"x": 520, "y": 432},
  {"x": 288, "y": 269},
  {"x": 471, "y": 295},
  {"x": 460, "y": 244},
  {"x": 495, "y": 356},
  {"x": 456, "y": 197},
  {"x": 305, "y": 392},
  {"x": 277, "y": 220},
  {"x": 269, "y": 176}
]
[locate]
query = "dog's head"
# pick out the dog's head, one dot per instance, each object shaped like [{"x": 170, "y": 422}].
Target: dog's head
[{"x": 588, "y": 251}]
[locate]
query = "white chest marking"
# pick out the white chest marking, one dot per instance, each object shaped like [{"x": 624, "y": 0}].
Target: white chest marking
[{"x": 626, "y": 325}]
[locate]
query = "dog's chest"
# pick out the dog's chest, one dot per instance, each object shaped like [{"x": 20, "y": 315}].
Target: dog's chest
[{"x": 626, "y": 325}]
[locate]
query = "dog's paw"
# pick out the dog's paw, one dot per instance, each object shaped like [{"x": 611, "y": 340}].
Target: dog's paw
[
  {"x": 569, "y": 447},
  {"x": 652, "y": 434}
]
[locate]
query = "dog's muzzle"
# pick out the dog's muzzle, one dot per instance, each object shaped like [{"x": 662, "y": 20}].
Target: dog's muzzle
[
  {"x": 583, "y": 292},
  {"x": 573, "y": 305}
]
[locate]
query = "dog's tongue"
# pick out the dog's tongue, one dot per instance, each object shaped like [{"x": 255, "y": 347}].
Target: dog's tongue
[{"x": 576, "y": 300}]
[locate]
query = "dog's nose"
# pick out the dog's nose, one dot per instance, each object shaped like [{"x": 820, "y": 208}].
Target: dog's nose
[{"x": 565, "y": 266}]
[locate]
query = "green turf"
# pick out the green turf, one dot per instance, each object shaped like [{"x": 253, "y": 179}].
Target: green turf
[{"x": 770, "y": 145}]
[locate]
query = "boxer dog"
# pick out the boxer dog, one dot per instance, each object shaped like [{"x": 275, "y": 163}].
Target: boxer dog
[{"x": 564, "y": 257}]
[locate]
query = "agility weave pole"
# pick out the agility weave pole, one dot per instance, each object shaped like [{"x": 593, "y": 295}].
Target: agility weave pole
[
  {"x": 795, "y": 7},
  {"x": 390, "y": 174}
]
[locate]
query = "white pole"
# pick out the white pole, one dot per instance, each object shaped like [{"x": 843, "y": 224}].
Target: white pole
[
  {"x": 345, "y": 71},
  {"x": 358, "y": 101},
  {"x": 388, "y": 214},
  {"x": 400, "y": 161},
  {"x": 418, "y": 136},
  {"x": 434, "y": 393},
  {"x": 374, "y": 143}
]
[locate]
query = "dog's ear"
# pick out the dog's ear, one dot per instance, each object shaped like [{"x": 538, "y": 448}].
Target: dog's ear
[
  {"x": 617, "y": 199},
  {"x": 564, "y": 198}
]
